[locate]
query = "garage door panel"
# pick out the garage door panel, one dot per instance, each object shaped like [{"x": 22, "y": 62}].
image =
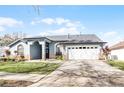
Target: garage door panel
[{"x": 83, "y": 53}]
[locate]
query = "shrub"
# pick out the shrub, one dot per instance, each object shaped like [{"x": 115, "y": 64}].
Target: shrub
[
  {"x": 20, "y": 58},
  {"x": 7, "y": 52},
  {"x": 5, "y": 59},
  {"x": 59, "y": 57}
]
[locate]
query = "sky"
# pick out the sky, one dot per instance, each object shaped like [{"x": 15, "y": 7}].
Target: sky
[{"x": 107, "y": 22}]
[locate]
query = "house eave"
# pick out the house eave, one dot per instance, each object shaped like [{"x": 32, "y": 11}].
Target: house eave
[
  {"x": 82, "y": 42},
  {"x": 10, "y": 45}
]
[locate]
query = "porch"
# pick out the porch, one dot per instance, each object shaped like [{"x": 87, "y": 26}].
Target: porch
[{"x": 39, "y": 50}]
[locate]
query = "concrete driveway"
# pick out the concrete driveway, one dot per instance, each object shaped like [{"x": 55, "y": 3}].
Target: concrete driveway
[{"x": 83, "y": 73}]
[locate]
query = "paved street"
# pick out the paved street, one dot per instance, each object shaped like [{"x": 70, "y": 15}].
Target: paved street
[{"x": 83, "y": 73}]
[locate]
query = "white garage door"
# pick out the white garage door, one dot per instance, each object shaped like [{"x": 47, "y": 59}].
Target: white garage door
[{"x": 85, "y": 52}]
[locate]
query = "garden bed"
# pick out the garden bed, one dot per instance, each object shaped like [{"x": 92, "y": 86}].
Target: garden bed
[{"x": 14, "y": 83}]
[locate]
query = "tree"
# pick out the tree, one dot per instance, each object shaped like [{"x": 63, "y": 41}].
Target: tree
[
  {"x": 106, "y": 52},
  {"x": 6, "y": 39}
]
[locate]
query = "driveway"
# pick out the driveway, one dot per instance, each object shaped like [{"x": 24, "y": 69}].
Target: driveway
[{"x": 83, "y": 73}]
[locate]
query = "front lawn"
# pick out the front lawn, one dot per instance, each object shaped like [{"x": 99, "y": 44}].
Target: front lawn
[
  {"x": 26, "y": 67},
  {"x": 118, "y": 64}
]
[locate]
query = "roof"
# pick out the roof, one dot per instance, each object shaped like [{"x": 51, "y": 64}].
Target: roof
[
  {"x": 119, "y": 45},
  {"x": 83, "y": 37},
  {"x": 89, "y": 38},
  {"x": 34, "y": 38},
  {"x": 14, "y": 42}
]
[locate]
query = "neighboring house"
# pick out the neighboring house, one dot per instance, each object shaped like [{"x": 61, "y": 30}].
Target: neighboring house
[
  {"x": 117, "y": 51},
  {"x": 86, "y": 46}
]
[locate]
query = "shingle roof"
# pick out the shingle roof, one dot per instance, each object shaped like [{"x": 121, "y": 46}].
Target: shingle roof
[
  {"x": 27, "y": 39},
  {"x": 89, "y": 38},
  {"x": 119, "y": 45},
  {"x": 34, "y": 38},
  {"x": 83, "y": 37}
]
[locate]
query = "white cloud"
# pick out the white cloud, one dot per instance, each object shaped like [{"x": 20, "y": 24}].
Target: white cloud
[
  {"x": 64, "y": 30},
  {"x": 45, "y": 33},
  {"x": 69, "y": 24},
  {"x": 64, "y": 26},
  {"x": 9, "y": 22},
  {"x": 33, "y": 23},
  {"x": 111, "y": 37},
  {"x": 56, "y": 21},
  {"x": 48, "y": 21},
  {"x": 111, "y": 33},
  {"x": 115, "y": 40},
  {"x": 61, "y": 21},
  {"x": 61, "y": 31}
]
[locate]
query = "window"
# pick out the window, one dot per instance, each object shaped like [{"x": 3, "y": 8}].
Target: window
[
  {"x": 20, "y": 50},
  {"x": 80, "y": 47},
  {"x": 84, "y": 47},
  {"x": 72, "y": 47},
  {"x": 76, "y": 47},
  {"x": 87, "y": 47},
  {"x": 91, "y": 47},
  {"x": 96, "y": 47}
]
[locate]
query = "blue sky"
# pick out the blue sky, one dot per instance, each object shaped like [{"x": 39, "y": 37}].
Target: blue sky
[{"x": 105, "y": 21}]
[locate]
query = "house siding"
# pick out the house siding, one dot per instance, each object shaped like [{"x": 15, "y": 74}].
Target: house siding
[
  {"x": 57, "y": 44},
  {"x": 26, "y": 49},
  {"x": 52, "y": 50},
  {"x": 119, "y": 53}
]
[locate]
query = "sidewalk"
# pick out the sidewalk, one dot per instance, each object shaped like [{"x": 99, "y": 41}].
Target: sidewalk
[{"x": 18, "y": 76}]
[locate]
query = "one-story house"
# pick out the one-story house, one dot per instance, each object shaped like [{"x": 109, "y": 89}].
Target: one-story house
[
  {"x": 85, "y": 46},
  {"x": 117, "y": 51}
]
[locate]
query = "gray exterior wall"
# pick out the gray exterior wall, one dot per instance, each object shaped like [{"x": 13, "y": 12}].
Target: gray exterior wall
[
  {"x": 26, "y": 49},
  {"x": 53, "y": 47},
  {"x": 52, "y": 50},
  {"x": 36, "y": 51}
]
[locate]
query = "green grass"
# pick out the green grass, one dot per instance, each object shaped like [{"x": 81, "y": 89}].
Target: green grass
[
  {"x": 117, "y": 64},
  {"x": 26, "y": 67}
]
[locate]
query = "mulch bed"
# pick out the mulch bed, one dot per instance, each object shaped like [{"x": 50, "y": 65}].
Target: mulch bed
[{"x": 14, "y": 83}]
